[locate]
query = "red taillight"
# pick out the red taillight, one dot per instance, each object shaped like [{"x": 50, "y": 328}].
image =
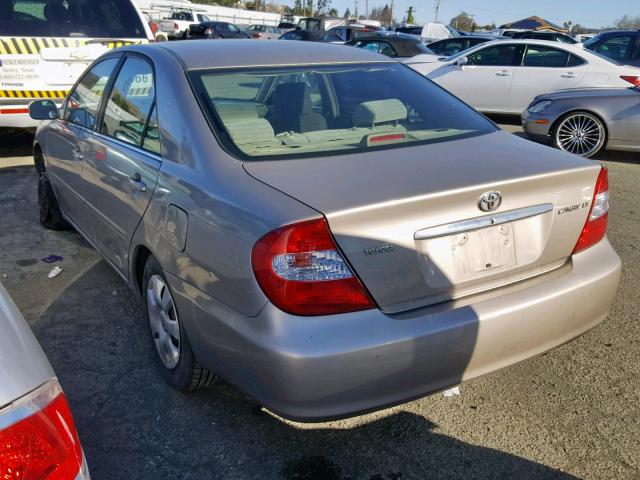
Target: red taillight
[
  {"x": 301, "y": 271},
  {"x": 43, "y": 442},
  {"x": 256, "y": 35},
  {"x": 154, "y": 27},
  {"x": 632, "y": 79},
  {"x": 176, "y": 27},
  {"x": 596, "y": 224}
]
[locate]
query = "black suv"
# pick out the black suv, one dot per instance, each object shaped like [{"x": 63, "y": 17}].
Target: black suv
[{"x": 621, "y": 45}]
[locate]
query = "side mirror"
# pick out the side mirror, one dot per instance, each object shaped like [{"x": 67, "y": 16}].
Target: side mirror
[
  {"x": 461, "y": 62},
  {"x": 43, "y": 110}
]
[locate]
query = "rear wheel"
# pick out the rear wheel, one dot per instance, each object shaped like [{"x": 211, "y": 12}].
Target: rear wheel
[
  {"x": 175, "y": 359},
  {"x": 581, "y": 133},
  {"x": 50, "y": 214}
]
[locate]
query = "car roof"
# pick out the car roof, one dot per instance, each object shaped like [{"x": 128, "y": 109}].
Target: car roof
[
  {"x": 610, "y": 33},
  {"x": 393, "y": 37},
  {"x": 532, "y": 41},
  {"x": 205, "y": 54}
]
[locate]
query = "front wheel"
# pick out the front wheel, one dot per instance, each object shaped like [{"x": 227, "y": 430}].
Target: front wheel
[
  {"x": 175, "y": 359},
  {"x": 581, "y": 133}
]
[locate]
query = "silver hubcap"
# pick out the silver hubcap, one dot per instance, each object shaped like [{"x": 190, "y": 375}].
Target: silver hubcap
[
  {"x": 581, "y": 134},
  {"x": 163, "y": 320}
]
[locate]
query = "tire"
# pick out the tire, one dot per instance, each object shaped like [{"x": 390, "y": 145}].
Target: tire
[
  {"x": 50, "y": 214},
  {"x": 38, "y": 161},
  {"x": 580, "y": 133},
  {"x": 173, "y": 354}
]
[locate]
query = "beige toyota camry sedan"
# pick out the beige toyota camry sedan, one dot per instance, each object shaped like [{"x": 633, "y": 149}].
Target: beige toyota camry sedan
[{"x": 321, "y": 226}]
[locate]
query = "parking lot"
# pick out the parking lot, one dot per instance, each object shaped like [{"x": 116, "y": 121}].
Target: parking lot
[{"x": 572, "y": 413}]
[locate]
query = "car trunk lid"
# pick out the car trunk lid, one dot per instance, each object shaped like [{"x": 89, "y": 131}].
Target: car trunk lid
[{"x": 409, "y": 221}]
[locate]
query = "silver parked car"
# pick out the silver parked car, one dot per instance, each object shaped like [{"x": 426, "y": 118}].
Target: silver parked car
[
  {"x": 323, "y": 227},
  {"x": 586, "y": 121},
  {"x": 38, "y": 437}
]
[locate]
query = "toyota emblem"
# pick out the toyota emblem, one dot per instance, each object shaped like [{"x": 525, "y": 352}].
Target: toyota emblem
[{"x": 490, "y": 201}]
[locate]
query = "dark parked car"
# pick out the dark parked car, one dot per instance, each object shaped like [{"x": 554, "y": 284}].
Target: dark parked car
[
  {"x": 286, "y": 25},
  {"x": 551, "y": 36},
  {"x": 311, "y": 36},
  {"x": 391, "y": 44},
  {"x": 415, "y": 31},
  {"x": 349, "y": 32},
  {"x": 622, "y": 46},
  {"x": 453, "y": 46},
  {"x": 216, "y": 30}
]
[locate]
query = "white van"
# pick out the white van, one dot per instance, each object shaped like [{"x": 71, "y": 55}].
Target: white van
[{"x": 46, "y": 44}]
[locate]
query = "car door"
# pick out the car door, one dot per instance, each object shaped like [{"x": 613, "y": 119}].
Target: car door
[
  {"x": 67, "y": 140},
  {"x": 544, "y": 69},
  {"x": 123, "y": 159},
  {"x": 485, "y": 81}
]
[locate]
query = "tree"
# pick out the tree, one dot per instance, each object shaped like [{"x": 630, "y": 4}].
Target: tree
[
  {"x": 333, "y": 12},
  {"x": 322, "y": 6},
  {"x": 297, "y": 8},
  {"x": 308, "y": 7},
  {"x": 627, "y": 22},
  {"x": 347, "y": 13},
  {"x": 567, "y": 25},
  {"x": 410, "y": 19},
  {"x": 463, "y": 21}
]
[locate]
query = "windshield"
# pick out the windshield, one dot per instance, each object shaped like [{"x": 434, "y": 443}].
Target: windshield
[
  {"x": 70, "y": 18},
  {"x": 307, "y": 111}
]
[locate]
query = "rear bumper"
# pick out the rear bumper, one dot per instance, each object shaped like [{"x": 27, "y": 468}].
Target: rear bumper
[{"x": 319, "y": 368}]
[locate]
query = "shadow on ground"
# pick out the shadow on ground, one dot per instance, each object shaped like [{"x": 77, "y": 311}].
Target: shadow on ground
[
  {"x": 133, "y": 426},
  {"x": 15, "y": 142}
]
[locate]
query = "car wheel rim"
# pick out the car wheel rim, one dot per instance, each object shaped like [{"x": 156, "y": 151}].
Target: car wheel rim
[
  {"x": 163, "y": 320},
  {"x": 581, "y": 134}
]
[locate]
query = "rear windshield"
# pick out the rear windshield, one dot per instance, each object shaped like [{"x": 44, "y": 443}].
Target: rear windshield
[
  {"x": 70, "y": 18},
  {"x": 321, "y": 110}
]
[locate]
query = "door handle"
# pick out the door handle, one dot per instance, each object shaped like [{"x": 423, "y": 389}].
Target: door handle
[
  {"x": 136, "y": 183},
  {"x": 569, "y": 75},
  {"x": 503, "y": 73}
]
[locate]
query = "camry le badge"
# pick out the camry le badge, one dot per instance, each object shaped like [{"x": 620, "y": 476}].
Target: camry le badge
[{"x": 490, "y": 201}]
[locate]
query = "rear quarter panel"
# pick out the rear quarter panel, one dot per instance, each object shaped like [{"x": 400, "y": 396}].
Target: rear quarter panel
[{"x": 228, "y": 211}]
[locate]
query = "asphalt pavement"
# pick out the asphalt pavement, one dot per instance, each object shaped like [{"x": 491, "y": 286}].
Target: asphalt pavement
[{"x": 572, "y": 413}]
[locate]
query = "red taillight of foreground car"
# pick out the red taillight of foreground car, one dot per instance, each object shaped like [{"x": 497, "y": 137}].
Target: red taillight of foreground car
[
  {"x": 43, "y": 442},
  {"x": 596, "y": 225},
  {"x": 302, "y": 272},
  {"x": 632, "y": 79}
]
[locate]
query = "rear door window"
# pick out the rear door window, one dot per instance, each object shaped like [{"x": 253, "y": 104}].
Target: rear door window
[
  {"x": 617, "y": 48},
  {"x": 132, "y": 98},
  {"x": 496, "y": 56},
  {"x": 541, "y": 56},
  {"x": 378, "y": 47},
  {"x": 203, "y": 18},
  {"x": 450, "y": 47},
  {"x": 81, "y": 107},
  {"x": 71, "y": 18}
]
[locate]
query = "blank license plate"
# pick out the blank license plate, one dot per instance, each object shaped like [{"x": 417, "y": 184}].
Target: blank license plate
[{"x": 483, "y": 252}]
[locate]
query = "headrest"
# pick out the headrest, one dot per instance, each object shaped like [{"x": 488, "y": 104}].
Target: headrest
[
  {"x": 237, "y": 111},
  {"x": 292, "y": 98},
  {"x": 250, "y": 131},
  {"x": 368, "y": 114}
]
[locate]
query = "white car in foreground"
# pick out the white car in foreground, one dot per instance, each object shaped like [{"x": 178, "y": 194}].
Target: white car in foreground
[
  {"x": 505, "y": 76},
  {"x": 38, "y": 439}
]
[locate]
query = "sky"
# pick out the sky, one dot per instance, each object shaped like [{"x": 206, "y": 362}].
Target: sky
[{"x": 589, "y": 13}]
